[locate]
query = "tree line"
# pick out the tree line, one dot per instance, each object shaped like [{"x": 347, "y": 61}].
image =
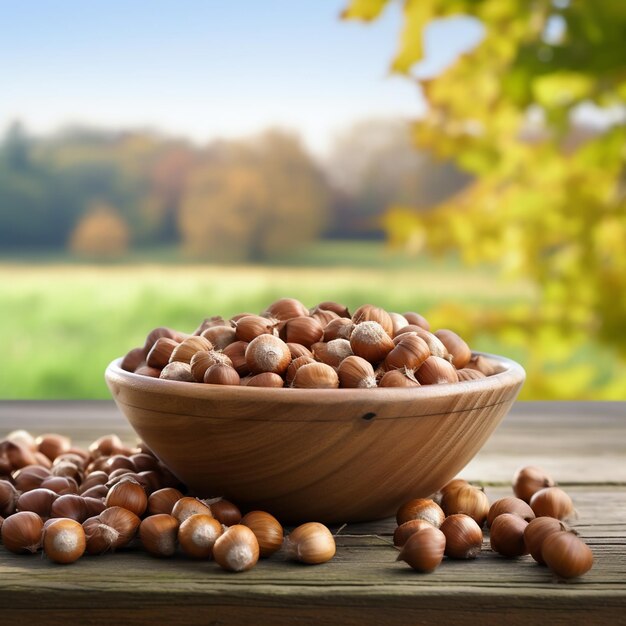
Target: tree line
[{"x": 98, "y": 193}]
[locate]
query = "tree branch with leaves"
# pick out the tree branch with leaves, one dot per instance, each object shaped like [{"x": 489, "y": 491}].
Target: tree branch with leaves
[{"x": 549, "y": 201}]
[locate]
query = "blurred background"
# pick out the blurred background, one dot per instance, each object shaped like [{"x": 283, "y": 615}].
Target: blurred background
[{"x": 172, "y": 161}]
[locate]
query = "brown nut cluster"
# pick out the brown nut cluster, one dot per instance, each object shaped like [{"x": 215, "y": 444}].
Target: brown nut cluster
[
  {"x": 68, "y": 501},
  {"x": 451, "y": 525},
  {"x": 324, "y": 347}
]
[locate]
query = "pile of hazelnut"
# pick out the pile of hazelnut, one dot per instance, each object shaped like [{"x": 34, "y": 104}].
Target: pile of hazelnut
[
  {"x": 68, "y": 502},
  {"x": 532, "y": 523},
  {"x": 325, "y": 347}
]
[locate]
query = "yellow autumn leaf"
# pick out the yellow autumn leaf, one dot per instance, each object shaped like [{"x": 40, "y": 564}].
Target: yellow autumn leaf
[
  {"x": 363, "y": 9},
  {"x": 562, "y": 88},
  {"x": 417, "y": 13},
  {"x": 404, "y": 229}
]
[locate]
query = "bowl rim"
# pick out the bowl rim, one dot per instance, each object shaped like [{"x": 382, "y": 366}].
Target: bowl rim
[{"x": 512, "y": 374}]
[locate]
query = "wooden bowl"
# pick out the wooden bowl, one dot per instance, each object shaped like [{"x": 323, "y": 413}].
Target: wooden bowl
[{"x": 327, "y": 455}]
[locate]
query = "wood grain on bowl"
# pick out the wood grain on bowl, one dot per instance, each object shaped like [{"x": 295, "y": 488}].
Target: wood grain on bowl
[{"x": 329, "y": 455}]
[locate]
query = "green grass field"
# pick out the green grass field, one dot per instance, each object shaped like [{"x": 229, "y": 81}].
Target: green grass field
[{"x": 61, "y": 323}]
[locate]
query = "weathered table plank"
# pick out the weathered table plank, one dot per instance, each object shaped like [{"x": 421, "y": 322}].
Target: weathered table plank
[
  {"x": 583, "y": 444},
  {"x": 576, "y": 442}
]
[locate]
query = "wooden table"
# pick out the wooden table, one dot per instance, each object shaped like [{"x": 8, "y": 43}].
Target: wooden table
[{"x": 582, "y": 444}]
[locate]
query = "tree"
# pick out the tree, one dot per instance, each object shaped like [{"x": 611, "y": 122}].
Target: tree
[
  {"x": 16, "y": 149},
  {"x": 253, "y": 200},
  {"x": 93, "y": 165},
  {"x": 28, "y": 195},
  {"x": 168, "y": 174},
  {"x": 542, "y": 206},
  {"x": 101, "y": 233}
]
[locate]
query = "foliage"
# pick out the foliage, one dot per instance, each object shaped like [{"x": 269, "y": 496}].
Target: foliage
[
  {"x": 549, "y": 201},
  {"x": 47, "y": 185},
  {"x": 127, "y": 170},
  {"x": 29, "y": 196},
  {"x": 252, "y": 201},
  {"x": 101, "y": 233}
]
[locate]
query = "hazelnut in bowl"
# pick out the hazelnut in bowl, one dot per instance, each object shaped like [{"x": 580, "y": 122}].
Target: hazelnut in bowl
[{"x": 333, "y": 455}]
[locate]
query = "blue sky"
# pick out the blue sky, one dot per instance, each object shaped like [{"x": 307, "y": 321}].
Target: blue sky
[{"x": 207, "y": 69}]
